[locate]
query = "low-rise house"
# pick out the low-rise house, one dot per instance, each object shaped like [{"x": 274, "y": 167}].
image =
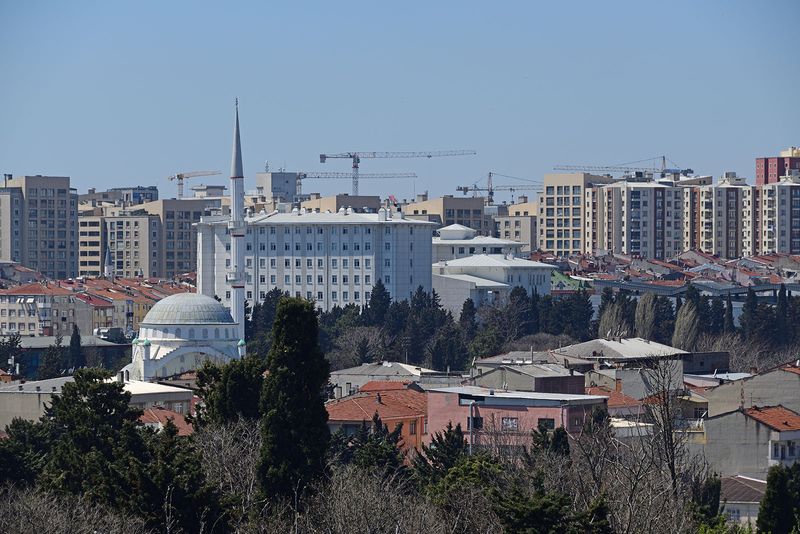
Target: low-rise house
[
  {"x": 748, "y": 441},
  {"x": 28, "y": 400},
  {"x": 396, "y": 403},
  {"x": 348, "y": 381},
  {"x": 741, "y": 498},
  {"x": 490, "y": 411},
  {"x": 95, "y": 349},
  {"x": 779, "y": 385},
  {"x": 541, "y": 377},
  {"x": 524, "y": 357},
  {"x": 41, "y": 309},
  {"x": 157, "y": 417}
]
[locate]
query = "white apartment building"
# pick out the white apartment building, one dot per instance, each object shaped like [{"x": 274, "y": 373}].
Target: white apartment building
[
  {"x": 772, "y": 217},
  {"x": 714, "y": 216},
  {"x": 486, "y": 278},
  {"x": 636, "y": 218},
  {"x": 329, "y": 258},
  {"x": 458, "y": 241},
  {"x": 520, "y": 224}
]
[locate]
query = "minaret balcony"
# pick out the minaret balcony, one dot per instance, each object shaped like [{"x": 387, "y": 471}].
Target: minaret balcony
[
  {"x": 233, "y": 277},
  {"x": 236, "y": 228}
]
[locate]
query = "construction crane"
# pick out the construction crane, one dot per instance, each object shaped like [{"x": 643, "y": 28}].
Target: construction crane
[
  {"x": 356, "y": 157},
  {"x": 348, "y": 176},
  {"x": 663, "y": 171},
  {"x": 181, "y": 176},
  {"x": 491, "y": 188}
]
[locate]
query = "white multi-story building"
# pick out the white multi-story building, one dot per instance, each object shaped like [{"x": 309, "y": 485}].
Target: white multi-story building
[
  {"x": 485, "y": 278},
  {"x": 772, "y": 217},
  {"x": 637, "y": 218},
  {"x": 329, "y": 258},
  {"x": 714, "y": 216},
  {"x": 458, "y": 241}
]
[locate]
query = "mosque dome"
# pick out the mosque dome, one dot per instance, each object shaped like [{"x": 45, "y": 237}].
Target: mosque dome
[{"x": 188, "y": 309}]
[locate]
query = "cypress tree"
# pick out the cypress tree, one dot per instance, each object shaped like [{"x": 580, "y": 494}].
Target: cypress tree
[
  {"x": 782, "y": 334},
  {"x": 728, "y": 325},
  {"x": 467, "y": 321},
  {"x": 749, "y": 313},
  {"x": 435, "y": 460},
  {"x": 579, "y": 318},
  {"x": 76, "y": 357},
  {"x": 664, "y": 322},
  {"x": 535, "y": 320},
  {"x": 379, "y": 301},
  {"x": 52, "y": 363},
  {"x": 776, "y": 512},
  {"x": 716, "y": 321},
  {"x": 678, "y": 304},
  {"x": 294, "y": 423},
  {"x": 447, "y": 350},
  {"x": 229, "y": 391}
]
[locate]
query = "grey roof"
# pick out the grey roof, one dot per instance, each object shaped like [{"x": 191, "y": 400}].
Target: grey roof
[
  {"x": 624, "y": 348},
  {"x": 51, "y": 385},
  {"x": 742, "y": 489},
  {"x": 42, "y": 342},
  {"x": 522, "y": 395},
  {"x": 188, "y": 309},
  {"x": 383, "y": 369}
]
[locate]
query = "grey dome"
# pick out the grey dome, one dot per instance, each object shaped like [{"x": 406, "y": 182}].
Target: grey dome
[{"x": 189, "y": 309}]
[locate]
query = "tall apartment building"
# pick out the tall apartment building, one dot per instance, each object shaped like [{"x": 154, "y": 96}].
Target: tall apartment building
[
  {"x": 91, "y": 243},
  {"x": 519, "y": 224},
  {"x": 714, "y": 216},
  {"x": 770, "y": 169},
  {"x": 46, "y": 238},
  {"x": 636, "y": 218},
  {"x": 447, "y": 210},
  {"x": 11, "y": 208},
  {"x": 176, "y": 234},
  {"x": 772, "y": 217},
  {"x": 134, "y": 243},
  {"x": 562, "y": 216},
  {"x": 329, "y": 258}
]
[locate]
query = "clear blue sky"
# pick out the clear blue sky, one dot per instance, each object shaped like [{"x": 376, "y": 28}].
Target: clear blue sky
[{"x": 116, "y": 93}]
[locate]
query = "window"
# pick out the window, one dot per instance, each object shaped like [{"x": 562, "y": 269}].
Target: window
[
  {"x": 510, "y": 424},
  {"x": 547, "y": 423},
  {"x": 412, "y": 428}
]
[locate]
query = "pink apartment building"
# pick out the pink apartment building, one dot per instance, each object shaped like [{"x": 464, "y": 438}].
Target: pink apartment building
[{"x": 507, "y": 411}]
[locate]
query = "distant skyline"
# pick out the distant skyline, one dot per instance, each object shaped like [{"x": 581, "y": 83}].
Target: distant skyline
[{"x": 116, "y": 94}]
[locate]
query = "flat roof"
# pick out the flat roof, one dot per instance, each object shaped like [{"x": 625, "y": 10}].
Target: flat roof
[
  {"x": 479, "y": 282},
  {"x": 476, "y": 391},
  {"x": 492, "y": 260}
]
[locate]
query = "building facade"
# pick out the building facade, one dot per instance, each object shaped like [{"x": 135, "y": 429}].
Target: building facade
[
  {"x": 447, "y": 210},
  {"x": 48, "y": 223},
  {"x": 772, "y": 217},
  {"x": 91, "y": 245},
  {"x": 770, "y": 169},
  {"x": 520, "y": 224},
  {"x": 562, "y": 217},
  {"x": 329, "y": 258},
  {"x": 456, "y": 241}
]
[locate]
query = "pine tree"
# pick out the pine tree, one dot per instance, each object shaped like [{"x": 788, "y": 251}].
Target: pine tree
[
  {"x": 687, "y": 328},
  {"x": 294, "y": 424},
  {"x": 579, "y": 316},
  {"x": 447, "y": 447},
  {"x": 447, "y": 350},
  {"x": 76, "y": 356},
  {"x": 52, "y": 364},
  {"x": 776, "y": 514},
  {"x": 646, "y": 316},
  {"x": 728, "y": 326},
  {"x": 372, "y": 447},
  {"x": 229, "y": 391},
  {"x": 664, "y": 322},
  {"x": 379, "y": 302}
]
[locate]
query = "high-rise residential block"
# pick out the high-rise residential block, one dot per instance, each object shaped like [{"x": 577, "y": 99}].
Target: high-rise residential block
[
  {"x": 562, "y": 216},
  {"x": 770, "y": 169},
  {"x": 134, "y": 244},
  {"x": 329, "y": 258},
  {"x": 772, "y": 217},
  {"x": 46, "y": 236},
  {"x": 519, "y": 224},
  {"x": 91, "y": 244}
]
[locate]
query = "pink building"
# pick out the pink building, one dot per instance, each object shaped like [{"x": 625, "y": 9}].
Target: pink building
[{"x": 507, "y": 411}]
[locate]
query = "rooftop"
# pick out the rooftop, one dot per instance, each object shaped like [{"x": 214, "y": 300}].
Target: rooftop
[
  {"x": 340, "y": 217},
  {"x": 475, "y": 391},
  {"x": 42, "y": 342},
  {"x": 619, "y": 348},
  {"x": 390, "y": 405},
  {"x": 493, "y": 260},
  {"x": 776, "y": 417},
  {"x": 616, "y": 399},
  {"x": 737, "y": 489},
  {"x": 158, "y": 417},
  {"x": 383, "y": 369},
  {"x": 478, "y": 281}
]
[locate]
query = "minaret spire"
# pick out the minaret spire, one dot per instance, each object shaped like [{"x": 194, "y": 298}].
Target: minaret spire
[{"x": 236, "y": 228}]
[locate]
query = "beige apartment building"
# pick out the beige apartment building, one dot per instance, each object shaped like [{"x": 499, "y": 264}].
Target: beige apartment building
[
  {"x": 714, "y": 216},
  {"x": 46, "y": 238},
  {"x": 361, "y": 203},
  {"x": 641, "y": 219},
  {"x": 562, "y": 216},
  {"x": 42, "y": 309},
  {"x": 772, "y": 217},
  {"x": 133, "y": 240},
  {"x": 447, "y": 210},
  {"x": 520, "y": 224},
  {"x": 91, "y": 243}
]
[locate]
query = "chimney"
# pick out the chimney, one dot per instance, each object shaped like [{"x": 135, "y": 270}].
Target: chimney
[{"x": 378, "y": 399}]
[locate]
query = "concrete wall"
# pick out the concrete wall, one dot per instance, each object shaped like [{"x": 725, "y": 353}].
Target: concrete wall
[
  {"x": 768, "y": 389},
  {"x": 733, "y": 444}
]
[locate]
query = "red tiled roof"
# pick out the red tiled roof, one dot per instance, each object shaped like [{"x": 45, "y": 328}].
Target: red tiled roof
[
  {"x": 159, "y": 416},
  {"x": 616, "y": 399},
  {"x": 95, "y": 301},
  {"x": 36, "y": 288},
  {"x": 385, "y": 385},
  {"x": 393, "y": 405},
  {"x": 776, "y": 417},
  {"x": 791, "y": 368}
]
